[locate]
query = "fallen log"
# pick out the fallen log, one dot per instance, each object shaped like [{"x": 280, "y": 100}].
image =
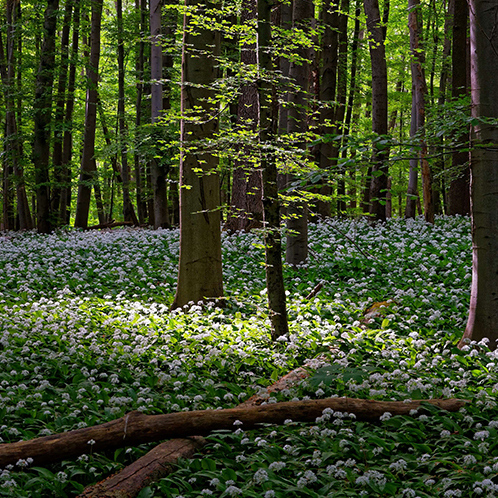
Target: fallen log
[
  {"x": 136, "y": 428},
  {"x": 111, "y": 224},
  {"x": 158, "y": 462}
]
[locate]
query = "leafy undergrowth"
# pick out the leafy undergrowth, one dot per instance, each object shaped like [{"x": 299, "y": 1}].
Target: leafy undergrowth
[{"x": 86, "y": 336}]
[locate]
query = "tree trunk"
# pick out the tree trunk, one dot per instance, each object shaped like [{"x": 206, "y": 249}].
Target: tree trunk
[
  {"x": 483, "y": 312},
  {"x": 300, "y": 73},
  {"x": 42, "y": 118},
  {"x": 380, "y": 168},
  {"x": 59, "y": 114},
  {"x": 268, "y": 130},
  {"x": 157, "y": 169},
  {"x": 88, "y": 175},
  {"x": 327, "y": 153},
  {"x": 67, "y": 148},
  {"x": 200, "y": 275},
  {"x": 136, "y": 428},
  {"x": 247, "y": 198},
  {"x": 459, "y": 192},
  {"x": 128, "y": 209},
  {"x": 12, "y": 142}
]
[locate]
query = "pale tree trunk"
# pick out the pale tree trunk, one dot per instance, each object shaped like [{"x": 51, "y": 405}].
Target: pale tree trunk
[
  {"x": 247, "y": 201},
  {"x": 67, "y": 147},
  {"x": 88, "y": 175},
  {"x": 42, "y": 118},
  {"x": 12, "y": 140},
  {"x": 420, "y": 88},
  {"x": 380, "y": 168},
  {"x": 128, "y": 209},
  {"x": 300, "y": 74},
  {"x": 200, "y": 275},
  {"x": 327, "y": 153},
  {"x": 158, "y": 171},
  {"x": 268, "y": 130},
  {"x": 459, "y": 191},
  {"x": 483, "y": 312}
]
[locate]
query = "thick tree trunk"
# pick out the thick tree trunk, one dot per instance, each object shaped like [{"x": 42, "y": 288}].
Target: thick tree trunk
[
  {"x": 247, "y": 197},
  {"x": 88, "y": 175},
  {"x": 300, "y": 75},
  {"x": 483, "y": 312},
  {"x": 268, "y": 130},
  {"x": 200, "y": 275},
  {"x": 157, "y": 169},
  {"x": 459, "y": 192},
  {"x": 136, "y": 428},
  {"x": 380, "y": 168},
  {"x": 42, "y": 118}
]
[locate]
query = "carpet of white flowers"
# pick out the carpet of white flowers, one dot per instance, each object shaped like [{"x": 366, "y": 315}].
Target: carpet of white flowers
[{"x": 86, "y": 335}]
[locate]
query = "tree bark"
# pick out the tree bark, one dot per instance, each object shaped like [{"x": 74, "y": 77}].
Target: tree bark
[
  {"x": 380, "y": 168},
  {"x": 88, "y": 175},
  {"x": 157, "y": 169},
  {"x": 42, "y": 118},
  {"x": 136, "y": 428},
  {"x": 300, "y": 73},
  {"x": 200, "y": 275},
  {"x": 459, "y": 192},
  {"x": 483, "y": 312},
  {"x": 268, "y": 130},
  {"x": 128, "y": 209},
  {"x": 247, "y": 197}
]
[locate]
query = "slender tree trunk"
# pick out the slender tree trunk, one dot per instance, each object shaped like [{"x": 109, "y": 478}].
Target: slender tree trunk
[
  {"x": 42, "y": 118},
  {"x": 140, "y": 6},
  {"x": 247, "y": 201},
  {"x": 380, "y": 168},
  {"x": 128, "y": 209},
  {"x": 268, "y": 130},
  {"x": 300, "y": 74},
  {"x": 327, "y": 153},
  {"x": 158, "y": 171},
  {"x": 342, "y": 84},
  {"x": 59, "y": 114},
  {"x": 459, "y": 193},
  {"x": 67, "y": 146},
  {"x": 200, "y": 275},
  {"x": 88, "y": 175},
  {"x": 13, "y": 145},
  {"x": 420, "y": 88},
  {"x": 483, "y": 312},
  {"x": 412, "y": 192}
]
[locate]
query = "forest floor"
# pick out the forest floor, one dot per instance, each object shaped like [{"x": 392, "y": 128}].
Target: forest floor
[{"x": 86, "y": 336}]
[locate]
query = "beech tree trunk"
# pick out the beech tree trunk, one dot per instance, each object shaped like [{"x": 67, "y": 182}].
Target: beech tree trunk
[
  {"x": 483, "y": 313},
  {"x": 136, "y": 428},
  {"x": 42, "y": 118},
  {"x": 300, "y": 74},
  {"x": 327, "y": 153},
  {"x": 88, "y": 175},
  {"x": 247, "y": 197},
  {"x": 128, "y": 209},
  {"x": 380, "y": 168},
  {"x": 268, "y": 130},
  {"x": 459, "y": 192},
  {"x": 200, "y": 276},
  {"x": 157, "y": 169}
]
